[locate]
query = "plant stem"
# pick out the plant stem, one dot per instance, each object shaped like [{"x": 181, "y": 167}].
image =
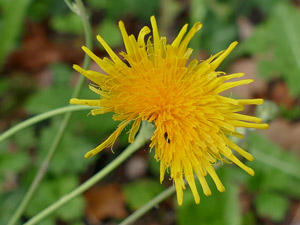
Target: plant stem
[
  {"x": 143, "y": 136},
  {"x": 155, "y": 201},
  {"x": 152, "y": 203},
  {"x": 88, "y": 43},
  {"x": 43, "y": 168},
  {"x": 277, "y": 163},
  {"x": 38, "y": 118}
]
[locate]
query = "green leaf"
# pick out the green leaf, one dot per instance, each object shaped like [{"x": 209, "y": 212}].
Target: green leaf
[
  {"x": 67, "y": 23},
  {"x": 51, "y": 190},
  {"x": 142, "y": 9},
  {"x": 9, "y": 203},
  {"x": 61, "y": 73},
  {"x": 13, "y": 162},
  {"x": 272, "y": 205},
  {"x": 219, "y": 208},
  {"x": 57, "y": 95},
  {"x": 11, "y": 26},
  {"x": 109, "y": 31},
  {"x": 140, "y": 192},
  {"x": 99, "y": 4},
  {"x": 248, "y": 219},
  {"x": 4, "y": 86},
  {"x": 154, "y": 166},
  {"x": 290, "y": 113},
  {"x": 266, "y": 6},
  {"x": 272, "y": 162},
  {"x": 232, "y": 211},
  {"x": 278, "y": 40},
  {"x": 51, "y": 98},
  {"x": 69, "y": 156},
  {"x": 96, "y": 126}
]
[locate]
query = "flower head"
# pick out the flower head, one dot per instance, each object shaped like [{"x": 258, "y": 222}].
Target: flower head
[{"x": 192, "y": 121}]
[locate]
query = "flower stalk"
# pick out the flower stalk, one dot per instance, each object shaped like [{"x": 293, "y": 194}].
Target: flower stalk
[
  {"x": 65, "y": 121},
  {"x": 143, "y": 136},
  {"x": 155, "y": 201},
  {"x": 38, "y": 118}
]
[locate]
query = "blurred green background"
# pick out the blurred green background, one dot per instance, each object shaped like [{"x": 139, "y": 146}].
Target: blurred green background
[{"x": 41, "y": 39}]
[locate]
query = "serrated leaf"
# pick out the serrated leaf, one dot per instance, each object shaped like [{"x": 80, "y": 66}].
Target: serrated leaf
[
  {"x": 13, "y": 162},
  {"x": 219, "y": 208},
  {"x": 9, "y": 202},
  {"x": 232, "y": 211},
  {"x": 140, "y": 192},
  {"x": 69, "y": 156},
  {"x": 45, "y": 100},
  {"x": 272, "y": 205},
  {"x": 278, "y": 39},
  {"x": 272, "y": 161},
  {"x": 50, "y": 190}
]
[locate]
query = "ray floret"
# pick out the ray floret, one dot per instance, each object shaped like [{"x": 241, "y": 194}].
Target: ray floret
[{"x": 193, "y": 122}]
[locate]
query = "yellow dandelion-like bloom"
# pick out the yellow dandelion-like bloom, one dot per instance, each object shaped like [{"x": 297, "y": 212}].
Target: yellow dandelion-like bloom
[{"x": 192, "y": 121}]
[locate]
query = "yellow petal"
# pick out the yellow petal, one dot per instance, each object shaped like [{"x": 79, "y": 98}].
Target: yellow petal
[
  {"x": 76, "y": 101},
  {"x": 162, "y": 169},
  {"x": 93, "y": 56},
  {"x": 238, "y": 116},
  {"x": 188, "y": 37},
  {"x": 179, "y": 192},
  {"x": 235, "y": 75},
  {"x": 134, "y": 129},
  {"x": 251, "y": 101},
  {"x": 94, "y": 76},
  {"x": 154, "y": 31},
  {"x": 111, "y": 53},
  {"x": 221, "y": 57},
  {"x": 239, "y": 150},
  {"x": 179, "y": 37},
  {"x": 249, "y": 125},
  {"x": 108, "y": 142},
  {"x": 214, "y": 176},
  {"x": 125, "y": 38},
  {"x": 205, "y": 187},
  {"x": 228, "y": 85},
  {"x": 234, "y": 159}
]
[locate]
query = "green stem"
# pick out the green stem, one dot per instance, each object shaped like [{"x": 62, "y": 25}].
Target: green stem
[
  {"x": 152, "y": 203},
  {"x": 38, "y": 118},
  {"x": 88, "y": 43},
  {"x": 141, "y": 139},
  {"x": 43, "y": 168},
  {"x": 281, "y": 165},
  {"x": 155, "y": 201}
]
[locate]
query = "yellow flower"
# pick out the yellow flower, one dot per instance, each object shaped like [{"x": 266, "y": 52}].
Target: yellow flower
[{"x": 192, "y": 121}]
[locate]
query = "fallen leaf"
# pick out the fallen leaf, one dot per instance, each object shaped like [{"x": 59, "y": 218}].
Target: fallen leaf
[
  {"x": 105, "y": 202},
  {"x": 38, "y": 50},
  {"x": 279, "y": 93},
  {"x": 247, "y": 66},
  {"x": 284, "y": 134}
]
